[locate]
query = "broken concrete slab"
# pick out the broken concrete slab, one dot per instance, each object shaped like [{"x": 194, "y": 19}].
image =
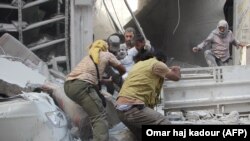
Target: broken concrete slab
[
  {"x": 121, "y": 133},
  {"x": 12, "y": 47},
  {"x": 10, "y": 89},
  {"x": 17, "y": 73},
  {"x": 32, "y": 116}
]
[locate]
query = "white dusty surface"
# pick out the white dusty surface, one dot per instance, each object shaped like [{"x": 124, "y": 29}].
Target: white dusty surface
[{"x": 17, "y": 73}]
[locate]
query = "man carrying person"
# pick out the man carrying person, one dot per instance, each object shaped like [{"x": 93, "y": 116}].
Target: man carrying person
[
  {"x": 82, "y": 85},
  {"x": 134, "y": 53}
]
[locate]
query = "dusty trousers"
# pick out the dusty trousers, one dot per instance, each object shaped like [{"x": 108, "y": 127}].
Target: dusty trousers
[
  {"x": 212, "y": 61},
  {"x": 135, "y": 117},
  {"x": 84, "y": 94}
]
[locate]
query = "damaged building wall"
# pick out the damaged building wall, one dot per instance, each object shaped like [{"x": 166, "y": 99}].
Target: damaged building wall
[
  {"x": 174, "y": 25},
  {"x": 177, "y": 29},
  {"x": 43, "y": 27},
  {"x": 242, "y": 29},
  {"x": 103, "y": 26},
  {"x": 81, "y": 30}
]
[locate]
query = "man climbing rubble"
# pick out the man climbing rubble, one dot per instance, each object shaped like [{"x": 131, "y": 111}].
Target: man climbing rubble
[
  {"x": 218, "y": 43},
  {"x": 82, "y": 84}
]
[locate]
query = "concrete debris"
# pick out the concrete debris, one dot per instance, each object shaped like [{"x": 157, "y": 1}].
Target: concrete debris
[
  {"x": 17, "y": 73},
  {"x": 120, "y": 133},
  {"x": 197, "y": 115},
  {"x": 194, "y": 117},
  {"x": 80, "y": 123},
  {"x": 232, "y": 118},
  {"x": 13, "y": 48},
  {"x": 23, "y": 72},
  {"x": 76, "y": 114},
  {"x": 176, "y": 116},
  {"x": 36, "y": 118}
]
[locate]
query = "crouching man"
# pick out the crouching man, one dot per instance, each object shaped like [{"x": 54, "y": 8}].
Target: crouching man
[{"x": 140, "y": 92}]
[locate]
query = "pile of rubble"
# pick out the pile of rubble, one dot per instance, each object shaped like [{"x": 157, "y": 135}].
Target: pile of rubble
[
  {"x": 24, "y": 77},
  {"x": 26, "y": 80}
]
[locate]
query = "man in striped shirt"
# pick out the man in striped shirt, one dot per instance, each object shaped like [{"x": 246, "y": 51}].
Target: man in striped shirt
[{"x": 82, "y": 82}]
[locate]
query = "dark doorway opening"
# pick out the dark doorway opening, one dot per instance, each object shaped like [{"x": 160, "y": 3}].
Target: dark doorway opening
[{"x": 228, "y": 12}]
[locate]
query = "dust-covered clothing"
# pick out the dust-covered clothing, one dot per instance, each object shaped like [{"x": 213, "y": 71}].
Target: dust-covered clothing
[
  {"x": 86, "y": 70},
  {"x": 219, "y": 42},
  {"x": 144, "y": 82},
  {"x": 81, "y": 87},
  {"x": 85, "y": 94},
  {"x": 138, "y": 116},
  {"x": 140, "y": 93},
  {"x": 212, "y": 61},
  {"x": 128, "y": 61}
]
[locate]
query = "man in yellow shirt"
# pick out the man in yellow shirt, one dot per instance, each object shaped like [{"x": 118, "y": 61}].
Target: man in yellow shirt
[{"x": 140, "y": 92}]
